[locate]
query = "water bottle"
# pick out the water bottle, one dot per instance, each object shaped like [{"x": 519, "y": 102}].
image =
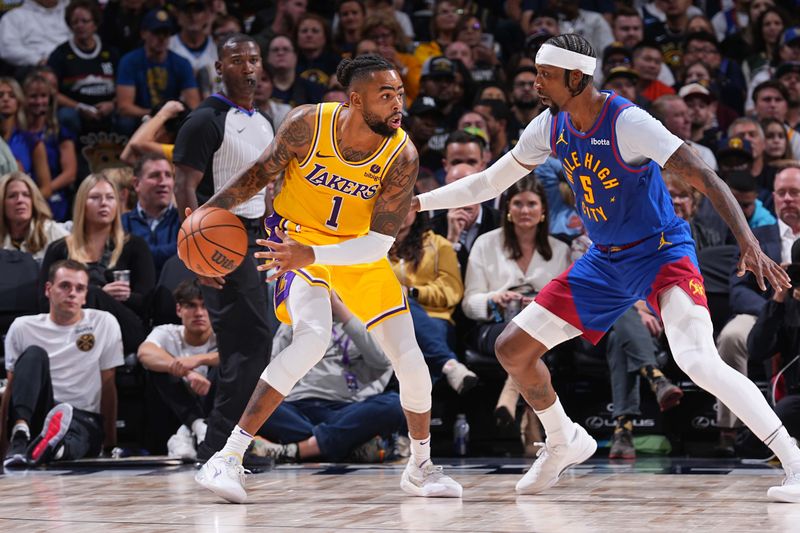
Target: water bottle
[{"x": 460, "y": 435}]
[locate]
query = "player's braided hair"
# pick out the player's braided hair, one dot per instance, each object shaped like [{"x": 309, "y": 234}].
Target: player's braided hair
[
  {"x": 574, "y": 43},
  {"x": 350, "y": 70}
]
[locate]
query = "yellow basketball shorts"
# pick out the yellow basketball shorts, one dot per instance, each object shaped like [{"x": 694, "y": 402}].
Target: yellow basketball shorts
[{"x": 370, "y": 291}]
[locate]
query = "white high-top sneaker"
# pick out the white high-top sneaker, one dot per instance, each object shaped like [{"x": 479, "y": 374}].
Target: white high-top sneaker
[
  {"x": 224, "y": 476},
  {"x": 428, "y": 481},
  {"x": 552, "y": 461}
]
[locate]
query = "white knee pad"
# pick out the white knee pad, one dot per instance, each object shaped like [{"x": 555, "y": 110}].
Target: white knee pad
[
  {"x": 310, "y": 309},
  {"x": 544, "y": 326},
  {"x": 396, "y": 337}
]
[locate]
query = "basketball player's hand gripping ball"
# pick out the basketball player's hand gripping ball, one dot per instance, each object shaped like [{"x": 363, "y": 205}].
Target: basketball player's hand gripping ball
[
  {"x": 284, "y": 256},
  {"x": 212, "y": 242}
]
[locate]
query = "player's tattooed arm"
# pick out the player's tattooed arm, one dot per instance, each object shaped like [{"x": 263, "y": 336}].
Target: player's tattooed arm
[
  {"x": 394, "y": 198},
  {"x": 293, "y": 140},
  {"x": 686, "y": 164}
]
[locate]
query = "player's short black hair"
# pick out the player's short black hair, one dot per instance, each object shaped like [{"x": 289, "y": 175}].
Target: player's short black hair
[
  {"x": 574, "y": 43},
  {"x": 350, "y": 70},
  {"x": 235, "y": 38}
]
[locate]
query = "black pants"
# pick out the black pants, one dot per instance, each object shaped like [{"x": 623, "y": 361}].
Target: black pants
[
  {"x": 179, "y": 398},
  {"x": 32, "y": 398},
  {"x": 238, "y": 314}
]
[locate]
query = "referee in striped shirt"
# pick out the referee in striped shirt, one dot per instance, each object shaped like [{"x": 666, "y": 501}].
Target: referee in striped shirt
[{"x": 223, "y": 137}]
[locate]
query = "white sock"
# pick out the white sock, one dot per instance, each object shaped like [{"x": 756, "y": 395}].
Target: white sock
[
  {"x": 420, "y": 450},
  {"x": 237, "y": 443},
  {"x": 23, "y": 427},
  {"x": 782, "y": 444},
  {"x": 557, "y": 425}
]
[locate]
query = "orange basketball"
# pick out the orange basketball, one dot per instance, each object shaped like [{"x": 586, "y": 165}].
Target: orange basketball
[{"x": 212, "y": 242}]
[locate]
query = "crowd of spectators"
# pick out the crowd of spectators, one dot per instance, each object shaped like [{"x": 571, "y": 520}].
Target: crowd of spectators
[{"x": 722, "y": 76}]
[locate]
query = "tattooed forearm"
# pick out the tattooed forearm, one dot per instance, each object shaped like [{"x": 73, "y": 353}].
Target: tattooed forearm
[
  {"x": 394, "y": 200},
  {"x": 687, "y": 165},
  {"x": 291, "y": 141}
]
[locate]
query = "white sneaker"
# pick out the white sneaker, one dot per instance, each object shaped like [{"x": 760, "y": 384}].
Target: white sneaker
[
  {"x": 181, "y": 445},
  {"x": 789, "y": 490},
  {"x": 552, "y": 461},
  {"x": 428, "y": 481},
  {"x": 224, "y": 476},
  {"x": 459, "y": 377}
]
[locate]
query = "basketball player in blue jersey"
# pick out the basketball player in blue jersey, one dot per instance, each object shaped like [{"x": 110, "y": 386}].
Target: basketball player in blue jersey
[
  {"x": 348, "y": 177},
  {"x": 612, "y": 153}
]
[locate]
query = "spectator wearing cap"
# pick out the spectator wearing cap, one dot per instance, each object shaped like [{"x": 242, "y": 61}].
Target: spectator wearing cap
[
  {"x": 438, "y": 82},
  {"x": 673, "y": 112},
  {"x": 734, "y": 154},
  {"x": 647, "y": 61},
  {"x": 725, "y": 74},
  {"x": 745, "y": 189},
  {"x": 422, "y": 122},
  {"x": 29, "y": 33},
  {"x": 497, "y": 115},
  {"x": 195, "y": 44},
  {"x": 524, "y": 100},
  {"x": 615, "y": 55},
  {"x": 788, "y": 75},
  {"x": 771, "y": 100},
  {"x": 702, "y": 113},
  {"x": 153, "y": 74},
  {"x": 383, "y": 28},
  {"x": 750, "y": 130},
  {"x": 84, "y": 66},
  {"x": 625, "y": 82}
]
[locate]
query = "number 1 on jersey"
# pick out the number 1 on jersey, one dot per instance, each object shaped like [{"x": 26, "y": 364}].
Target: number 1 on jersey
[{"x": 333, "y": 220}]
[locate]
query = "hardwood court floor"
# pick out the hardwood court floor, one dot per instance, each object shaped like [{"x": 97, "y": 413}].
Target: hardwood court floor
[{"x": 649, "y": 495}]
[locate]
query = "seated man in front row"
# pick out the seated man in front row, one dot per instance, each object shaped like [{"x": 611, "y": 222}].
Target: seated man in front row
[
  {"x": 178, "y": 358},
  {"x": 61, "y": 368},
  {"x": 339, "y": 410}
]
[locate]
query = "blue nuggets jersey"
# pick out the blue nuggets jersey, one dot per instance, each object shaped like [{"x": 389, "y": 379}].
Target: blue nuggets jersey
[{"x": 619, "y": 204}]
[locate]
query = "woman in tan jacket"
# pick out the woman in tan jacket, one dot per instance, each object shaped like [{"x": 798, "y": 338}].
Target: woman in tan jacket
[{"x": 427, "y": 267}]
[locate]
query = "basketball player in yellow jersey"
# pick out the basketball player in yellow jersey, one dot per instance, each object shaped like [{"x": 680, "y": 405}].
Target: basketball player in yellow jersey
[{"x": 349, "y": 172}]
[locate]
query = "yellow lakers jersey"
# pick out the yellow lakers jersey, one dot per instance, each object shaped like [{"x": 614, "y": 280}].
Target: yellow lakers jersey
[{"x": 328, "y": 197}]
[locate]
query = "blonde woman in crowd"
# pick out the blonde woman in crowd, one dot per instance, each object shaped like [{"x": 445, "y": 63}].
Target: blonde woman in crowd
[{"x": 26, "y": 223}]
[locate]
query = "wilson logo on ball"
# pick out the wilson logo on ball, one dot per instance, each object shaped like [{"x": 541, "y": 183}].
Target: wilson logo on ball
[{"x": 223, "y": 261}]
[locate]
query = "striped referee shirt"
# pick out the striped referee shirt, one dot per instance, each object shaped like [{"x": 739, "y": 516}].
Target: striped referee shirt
[{"x": 222, "y": 140}]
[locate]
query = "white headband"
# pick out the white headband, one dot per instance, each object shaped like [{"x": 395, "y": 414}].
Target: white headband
[{"x": 566, "y": 59}]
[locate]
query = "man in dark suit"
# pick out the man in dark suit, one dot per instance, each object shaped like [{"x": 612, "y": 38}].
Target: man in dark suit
[
  {"x": 747, "y": 301},
  {"x": 463, "y": 225}
]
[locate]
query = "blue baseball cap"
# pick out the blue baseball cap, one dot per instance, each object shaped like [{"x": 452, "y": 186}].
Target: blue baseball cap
[
  {"x": 790, "y": 35},
  {"x": 155, "y": 20}
]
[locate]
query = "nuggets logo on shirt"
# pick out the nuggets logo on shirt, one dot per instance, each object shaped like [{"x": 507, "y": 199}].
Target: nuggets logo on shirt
[{"x": 85, "y": 342}]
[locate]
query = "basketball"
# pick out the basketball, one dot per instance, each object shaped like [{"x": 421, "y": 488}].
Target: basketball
[{"x": 212, "y": 242}]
